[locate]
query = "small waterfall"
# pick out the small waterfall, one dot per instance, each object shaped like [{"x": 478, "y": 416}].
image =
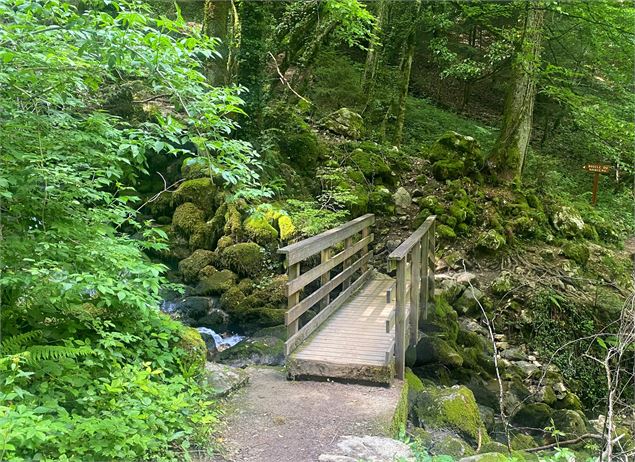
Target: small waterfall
[{"x": 222, "y": 343}]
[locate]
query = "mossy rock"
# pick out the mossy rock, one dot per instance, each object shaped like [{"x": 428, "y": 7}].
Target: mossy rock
[
  {"x": 450, "y": 408},
  {"x": 494, "y": 446},
  {"x": 380, "y": 201},
  {"x": 215, "y": 282},
  {"x": 435, "y": 350},
  {"x": 534, "y": 415},
  {"x": 491, "y": 241},
  {"x": 268, "y": 351},
  {"x": 258, "y": 229},
  {"x": 195, "y": 350},
  {"x": 301, "y": 147},
  {"x": 374, "y": 168},
  {"x": 569, "y": 401},
  {"x": 287, "y": 228},
  {"x": 192, "y": 265},
  {"x": 470, "y": 302},
  {"x": 445, "y": 232},
  {"x": 442, "y": 321},
  {"x": 188, "y": 218},
  {"x": 233, "y": 221},
  {"x": 568, "y": 222},
  {"x": 522, "y": 441},
  {"x": 344, "y": 122},
  {"x": 201, "y": 192},
  {"x": 246, "y": 258},
  {"x": 502, "y": 284},
  {"x": 576, "y": 251},
  {"x": 448, "y": 169},
  {"x": 196, "y": 167},
  {"x": 223, "y": 243},
  {"x": 571, "y": 423},
  {"x": 250, "y": 320},
  {"x": 486, "y": 457},
  {"x": 231, "y": 299}
]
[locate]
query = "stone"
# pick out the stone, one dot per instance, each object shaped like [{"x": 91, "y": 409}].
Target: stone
[
  {"x": 187, "y": 218},
  {"x": 369, "y": 449},
  {"x": 431, "y": 349},
  {"x": 486, "y": 457},
  {"x": 215, "y": 319},
  {"x": 192, "y": 265},
  {"x": 264, "y": 351},
  {"x": 468, "y": 302},
  {"x": 525, "y": 368},
  {"x": 215, "y": 283},
  {"x": 571, "y": 423},
  {"x": 287, "y": 228},
  {"x": 491, "y": 241},
  {"x": 466, "y": 278},
  {"x": 452, "y": 409},
  {"x": 502, "y": 284},
  {"x": 513, "y": 354},
  {"x": 191, "y": 309},
  {"x": 402, "y": 199},
  {"x": 487, "y": 416},
  {"x": 568, "y": 400},
  {"x": 473, "y": 326},
  {"x": 202, "y": 192},
  {"x": 380, "y": 201},
  {"x": 245, "y": 258},
  {"x": 258, "y": 229},
  {"x": 194, "y": 348},
  {"x": 344, "y": 122},
  {"x": 535, "y": 415},
  {"x": 576, "y": 251},
  {"x": 450, "y": 289},
  {"x": 568, "y": 222},
  {"x": 223, "y": 379}
]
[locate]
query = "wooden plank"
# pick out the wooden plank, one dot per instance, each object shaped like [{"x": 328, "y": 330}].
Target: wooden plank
[
  {"x": 433, "y": 264},
  {"x": 348, "y": 243},
  {"x": 301, "y": 307},
  {"x": 415, "y": 281},
  {"x": 390, "y": 322},
  {"x": 378, "y": 356},
  {"x": 293, "y": 272},
  {"x": 423, "y": 276},
  {"x": 390, "y": 353},
  {"x": 304, "y": 249},
  {"x": 325, "y": 256},
  {"x": 400, "y": 328},
  {"x": 368, "y": 343},
  {"x": 314, "y": 273},
  {"x": 310, "y": 327},
  {"x": 404, "y": 249}
]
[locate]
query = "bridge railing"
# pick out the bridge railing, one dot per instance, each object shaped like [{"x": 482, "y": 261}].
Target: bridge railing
[
  {"x": 414, "y": 289},
  {"x": 337, "y": 275}
]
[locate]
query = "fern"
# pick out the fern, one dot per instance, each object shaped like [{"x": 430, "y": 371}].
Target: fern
[
  {"x": 17, "y": 343},
  {"x": 39, "y": 353}
]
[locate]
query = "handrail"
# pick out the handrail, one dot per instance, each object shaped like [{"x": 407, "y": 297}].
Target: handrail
[
  {"x": 308, "y": 247},
  {"x": 407, "y": 245},
  {"x": 350, "y": 263},
  {"x": 415, "y": 255}
]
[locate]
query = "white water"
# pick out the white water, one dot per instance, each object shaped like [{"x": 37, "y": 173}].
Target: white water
[
  {"x": 222, "y": 343},
  {"x": 168, "y": 306}
]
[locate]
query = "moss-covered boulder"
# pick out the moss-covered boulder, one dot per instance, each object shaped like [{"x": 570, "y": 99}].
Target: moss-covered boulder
[
  {"x": 194, "y": 349},
  {"x": 300, "y": 147},
  {"x": 287, "y": 228},
  {"x": 568, "y": 401},
  {"x": 344, "y": 122},
  {"x": 258, "y": 228},
  {"x": 487, "y": 457},
  {"x": 454, "y": 155},
  {"x": 435, "y": 350},
  {"x": 268, "y": 351},
  {"x": 445, "y": 232},
  {"x": 533, "y": 415},
  {"x": 196, "y": 167},
  {"x": 448, "y": 169},
  {"x": 442, "y": 321},
  {"x": 450, "y": 408},
  {"x": 491, "y": 241},
  {"x": 202, "y": 192},
  {"x": 188, "y": 218},
  {"x": 442, "y": 443},
  {"x": 568, "y": 222},
  {"x": 469, "y": 303},
  {"x": 233, "y": 222},
  {"x": 245, "y": 258},
  {"x": 372, "y": 166},
  {"x": 192, "y": 265},
  {"x": 576, "y": 251},
  {"x": 571, "y": 423},
  {"x": 214, "y": 282},
  {"x": 380, "y": 201},
  {"x": 502, "y": 284}
]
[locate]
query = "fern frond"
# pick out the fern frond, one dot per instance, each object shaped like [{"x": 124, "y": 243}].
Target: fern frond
[
  {"x": 17, "y": 343},
  {"x": 39, "y": 353}
]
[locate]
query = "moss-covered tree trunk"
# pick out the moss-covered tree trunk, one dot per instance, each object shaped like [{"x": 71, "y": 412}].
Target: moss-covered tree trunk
[
  {"x": 217, "y": 21},
  {"x": 510, "y": 150},
  {"x": 372, "y": 57},
  {"x": 406, "y": 68}
]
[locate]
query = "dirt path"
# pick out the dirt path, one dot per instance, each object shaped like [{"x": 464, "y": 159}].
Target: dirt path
[{"x": 275, "y": 420}]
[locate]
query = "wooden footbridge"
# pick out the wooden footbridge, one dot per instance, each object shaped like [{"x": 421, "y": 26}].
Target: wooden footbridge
[{"x": 347, "y": 321}]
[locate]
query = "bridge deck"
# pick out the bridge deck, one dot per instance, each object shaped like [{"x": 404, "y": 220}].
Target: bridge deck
[{"x": 353, "y": 342}]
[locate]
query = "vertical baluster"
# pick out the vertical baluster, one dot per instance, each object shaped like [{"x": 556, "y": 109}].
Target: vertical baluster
[
  {"x": 325, "y": 256},
  {"x": 400, "y": 328},
  {"x": 347, "y": 243},
  {"x": 293, "y": 272},
  {"x": 432, "y": 263},
  {"x": 424, "y": 276},
  {"x": 365, "y": 233},
  {"x": 415, "y": 295}
]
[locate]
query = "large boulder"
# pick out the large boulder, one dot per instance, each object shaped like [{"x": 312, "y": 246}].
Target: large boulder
[
  {"x": 468, "y": 302},
  {"x": 452, "y": 409},
  {"x": 568, "y": 222},
  {"x": 258, "y": 229},
  {"x": 454, "y": 155},
  {"x": 491, "y": 241},
  {"x": 193, "y": 348},
  {"x": 246, "y": 259},
  {"x": 435, "y": 350},
  {"x": 192, "y": 265},
  {"x": 534, "y": 415},
  {"x": 372, "y": 166},
  {"x": 402, "y": 199},
  {"x": 369, "y": 449},
  {"x": 264, "y": 351},
  {"x": 344, "y": 122},
  {"x": 202, "y": 192},
  {"x": 576, "y": 251},
  {"x": 214, "y": 282},
  {"x": 223, "y": 379},
  {"x": 190, "y": 309}
]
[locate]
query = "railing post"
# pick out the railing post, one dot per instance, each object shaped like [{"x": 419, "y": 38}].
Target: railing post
[
  {"x": 293, "y": 272},
  {"x": 415, "y": 295},
  {"x": 365, "y": 233},
  {"x": 400, "y": 328},
  {"x": 325, "y": 255},
  {"x": 424, "y": 295},
  {"x": 347, "y": 243},
  {"x": 432, "y": 263}
]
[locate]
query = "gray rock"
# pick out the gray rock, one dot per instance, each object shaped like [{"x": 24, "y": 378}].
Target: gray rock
[
  {"x": 344, "y": 122},
  {"x": 264, "y": 351},
  {"x": 468, "y": 302},
  {"x": 369, "y": 449},
  {"x": 486, "y": 457},
  {"x": 224, "y": 379},
  {"x": 525, "y": 368},
  {"x": 568, "y": 222},
  {"x": 466, "y": 278},
  {"x": 216, "y": 319},
  {"x": 514, "y": 354},
  {"x": 473, "y": 326},
  {"x": 402, "y": 198},
  {"x": 450, "y": 289},
  {"x": 487, "y": 416},
  {"x": 191, "y": 309},
  {"x": 392, "y": 244},
  {"x": 190, "y": 266}
]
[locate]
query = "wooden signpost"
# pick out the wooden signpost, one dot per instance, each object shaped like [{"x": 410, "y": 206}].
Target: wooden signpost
[{"x": 596, "y": 169}]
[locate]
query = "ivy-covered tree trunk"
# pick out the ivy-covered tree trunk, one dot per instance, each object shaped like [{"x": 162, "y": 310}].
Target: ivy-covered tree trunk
[
  {"x": 217, "y": 19},
  {"x": 255, "y": 29},
  {"x": 510, "y": 150},
  {"x": 406, "y": 68}
]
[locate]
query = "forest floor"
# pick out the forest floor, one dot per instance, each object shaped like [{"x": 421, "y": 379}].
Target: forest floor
[{"x": 273, "y": 419}]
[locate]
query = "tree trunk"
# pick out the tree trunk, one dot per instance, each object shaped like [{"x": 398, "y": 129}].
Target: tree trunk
[
  {"x": 510, "y": 150},
  {"x": 406, "y": 68},
  {"x": 372, "y": 58},
  {"x": 216, "y": 23}
]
